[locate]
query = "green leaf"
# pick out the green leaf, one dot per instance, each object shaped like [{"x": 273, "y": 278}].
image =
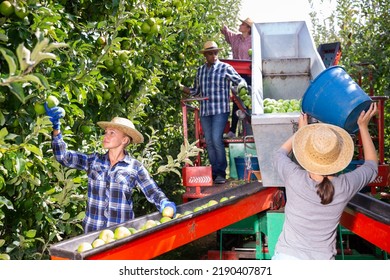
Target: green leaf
[
  {"x": 10, "y": 58},
  {"x": 2, "y": 119},
  {"x": 43, "y": 80},
  {"x": 3, "y": 133},
  {"x": 3, "y": 37},
  {"x": 34, "y": 149},
  {"x": 31, "y": 78},
  {"x": 66, "y": 216},
  {"x": 17, "y": 90},
  {"x": 54, "y": 46},
  {"x": 31, "y": 233},
  {"x": 35, "y": 181},
  {"x": 80, "y": 215},
  {"x": 6, "y": 202},
  {"x": 20, "y": 165}
]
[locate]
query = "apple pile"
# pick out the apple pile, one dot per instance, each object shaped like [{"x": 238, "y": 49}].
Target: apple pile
[
  {"x": 245, "y": 97},
  {"x": 281, "y": 105},
  {"x": 107, "y": 235}
]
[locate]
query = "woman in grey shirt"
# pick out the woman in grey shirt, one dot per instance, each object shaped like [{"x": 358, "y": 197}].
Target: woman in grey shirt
[{"x": 316, "y": 195}]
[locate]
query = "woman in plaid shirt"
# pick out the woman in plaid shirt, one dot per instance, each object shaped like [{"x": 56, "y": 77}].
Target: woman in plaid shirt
[{"x": 112, "y": 176}]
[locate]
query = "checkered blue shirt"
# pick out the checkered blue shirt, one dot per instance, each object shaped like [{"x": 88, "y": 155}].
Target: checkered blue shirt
[
  {"x": 109, "y": 188},
  {"x": 215, "y": 83}
]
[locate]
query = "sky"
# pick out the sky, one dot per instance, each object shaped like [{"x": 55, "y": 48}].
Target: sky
[{"x": 282, "y": 10}]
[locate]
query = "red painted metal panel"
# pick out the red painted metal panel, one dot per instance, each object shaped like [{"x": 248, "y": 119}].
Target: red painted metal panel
[
  {"x": 194, "y": 176},
  {"x": 371, "y": 230},
  {"x": 243, "y": 67},
  {"x": 169, "y": 238}
]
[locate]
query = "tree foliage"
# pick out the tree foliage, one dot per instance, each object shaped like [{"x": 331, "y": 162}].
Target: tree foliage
[
  {"x": 363, "y": 29},
  {"x": 123, "y": 58}
]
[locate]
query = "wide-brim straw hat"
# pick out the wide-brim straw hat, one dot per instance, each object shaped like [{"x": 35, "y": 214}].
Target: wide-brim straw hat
[
  {"x": 126, "y": 126},
  {"x": 323, "y": 149},
  {"x": 210, "y": 46},
  {"x": 248, "y": 21}
]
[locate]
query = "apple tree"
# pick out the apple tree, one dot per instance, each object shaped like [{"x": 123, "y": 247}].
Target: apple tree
[
  {"x": 100, "y": 59},
  {"x": 362, "y": 28}
]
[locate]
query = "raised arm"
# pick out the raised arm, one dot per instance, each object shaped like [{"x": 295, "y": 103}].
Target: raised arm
[
  {"x": 369, "y": 150},
  {"x": 301, "y": 122}
]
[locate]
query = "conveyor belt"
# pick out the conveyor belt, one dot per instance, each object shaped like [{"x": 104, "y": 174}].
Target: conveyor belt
[
  {"x": 370, "y": 219},
  {"x": 371, "y": 207},
  {"x": 248, "y": 199}
]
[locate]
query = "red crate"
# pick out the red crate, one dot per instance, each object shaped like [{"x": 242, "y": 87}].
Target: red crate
[{"x": 194, "y": 176}]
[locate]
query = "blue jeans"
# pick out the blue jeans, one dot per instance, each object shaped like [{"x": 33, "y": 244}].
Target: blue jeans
[{"x": 213, "y": 128}]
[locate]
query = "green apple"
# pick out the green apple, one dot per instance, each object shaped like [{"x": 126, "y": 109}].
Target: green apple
[
  {"x": 121, "y": 232},
  {"x": 145, "y": 27},
  {"x": 196, "y": 209},
  {"x": 107, "y": 95},
  {"x": 167, "y": 212},
  {"x": 188, "y": 212},
  {"x": 101, "y": 41},
  {"x": 133, "y": 230},
  {"x": 106, "y": 235},
  {"x": 250, "y": 52},
  {"x": 86, "y": 129},
  {"x": 165, "y": 219},
  {"x": 212, "y": 202},
  {"x": 52, "y": 101},
  {"x": 98, "y": 242},
  {"x": 39, "y": 108},
  {"x": 150, "y": 224},
  {"x": 6, "y": 8},
  {"x": 84, "y": 246},
  {"x": 223, "y": 199},
  {"x": 243, "y": 92}
]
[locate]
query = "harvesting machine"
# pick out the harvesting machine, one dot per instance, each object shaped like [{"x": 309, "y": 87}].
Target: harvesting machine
[{"x": 284, "y": 63}]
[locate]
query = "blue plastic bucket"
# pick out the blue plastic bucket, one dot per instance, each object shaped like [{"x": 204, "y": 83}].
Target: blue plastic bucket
[
  {"x": 240, "y": 167},
  {"x": 334, "y": 98}
]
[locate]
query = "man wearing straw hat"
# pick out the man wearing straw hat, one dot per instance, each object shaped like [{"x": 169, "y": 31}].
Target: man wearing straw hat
[
  {"x": 213, "y": 80},
  {"x": 113, "y": 176},
  {"x": 316, "y": 193},
  {"x": 241, "y": 43}
]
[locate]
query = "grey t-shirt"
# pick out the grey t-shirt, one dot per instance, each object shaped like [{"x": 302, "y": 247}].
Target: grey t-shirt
[{"x": 309, "y": 230}]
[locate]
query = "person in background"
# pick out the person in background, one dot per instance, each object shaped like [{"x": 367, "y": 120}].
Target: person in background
[
  {"x": 214, "y": 80},
  {"x": 112, "y": 176},
  {"x": 316, "y": 193},
  {"x": 241, "y": 43}
]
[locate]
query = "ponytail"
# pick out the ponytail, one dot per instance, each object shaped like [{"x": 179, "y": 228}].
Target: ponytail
[{"x": 325, "y": 191}]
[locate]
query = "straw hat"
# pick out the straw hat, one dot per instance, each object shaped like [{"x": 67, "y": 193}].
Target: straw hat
[
  {"x": 247, "y": 21},
  {"x": 323, "y": 149},
  {"x": 210, "y": 46},
  {"x": 126, "y": 126}
]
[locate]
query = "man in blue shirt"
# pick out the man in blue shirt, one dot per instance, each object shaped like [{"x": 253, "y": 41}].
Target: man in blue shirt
[
  {"x": 112, "y": 176},
  {"x": 214, "y": 80}
]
